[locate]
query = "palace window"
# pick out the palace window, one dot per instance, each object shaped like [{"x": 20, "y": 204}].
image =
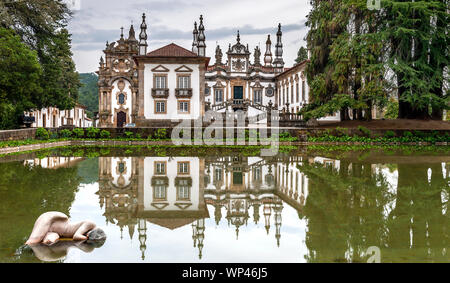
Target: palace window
[
  {"x": 183, "y": 107},
  {"x": 279, "y": 96},
  {"x": 183, "y": 192},
  {"x": 160, "y": 168},
  {"x": 292, "y": 94},
  {"x": 218, "y": 95},
  {"x": 298, "y": 92},
  {"x": 303, "y": 91},
  {"x": 121, "y": 98},
  {"x": 287, "y": 94},
  {"x": 183, "y": 167},
  {"x": 257, "y": 96},
  {"x": 159, "y": 190},
  {"x": 160, "y": 107},
  {"x": 218, "y": 174},
  {"x": 121, "y": 167},
  {"x": 184, "y": 82},
  {"x": 160, "y": 82}
]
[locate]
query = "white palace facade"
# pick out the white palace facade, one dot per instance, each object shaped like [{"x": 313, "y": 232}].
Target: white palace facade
[
  {"x": 173, "y": 192},
  {"x": 173, "y": 83},
  {"x": 52, "y": 117}
]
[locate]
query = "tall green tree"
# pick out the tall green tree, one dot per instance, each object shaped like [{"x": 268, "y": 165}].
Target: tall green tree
[
  {"x": 355, "y": 50},
  {"x": 302, "y": 55},
  {"x": 41, "y": 25},
  {"x": 88, "y": 93},
  {"x": 419, "y": 50},
  {"x": 20, "y": 75},
  {"x": 60, "y": 81}
]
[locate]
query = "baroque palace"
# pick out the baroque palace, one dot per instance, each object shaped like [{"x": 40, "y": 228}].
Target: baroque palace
[
  {"x": 172, "y": 83},
  {"x": 173, "y": 192}
]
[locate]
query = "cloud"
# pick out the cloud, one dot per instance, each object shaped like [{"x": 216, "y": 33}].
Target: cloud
[{"x": 172, "y": 21}]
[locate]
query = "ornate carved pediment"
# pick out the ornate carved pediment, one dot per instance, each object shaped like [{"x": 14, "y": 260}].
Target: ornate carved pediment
[
  {"x": 218, "y": 84},
  {"x": 160, "y": 181},
  {"x": 257, "y": 85},
  {"x": 121, "y": 65},
  {"x": 238, "y": 65},
  {"x": 183, "y": 206},
  {"x": 159, "y": 205},
  {"x": 160, "y": 68},
  {"x": 183, "y": 68},
  {"x": 183, "y": 181}
]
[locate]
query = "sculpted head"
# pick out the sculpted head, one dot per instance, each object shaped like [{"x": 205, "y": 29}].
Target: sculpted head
[{"x": 96, "y": 237}]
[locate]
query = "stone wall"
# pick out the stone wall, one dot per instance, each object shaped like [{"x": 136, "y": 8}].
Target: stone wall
[
  {"x": 19, "y": 134},
  {"x": 300, "y": 133}
]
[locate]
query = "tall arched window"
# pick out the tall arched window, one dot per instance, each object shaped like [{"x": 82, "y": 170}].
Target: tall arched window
[{"x": 121, "y": 98}]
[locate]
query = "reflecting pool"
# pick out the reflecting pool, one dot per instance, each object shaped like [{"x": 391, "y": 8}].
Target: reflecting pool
[{"x": 225, "y": 206}]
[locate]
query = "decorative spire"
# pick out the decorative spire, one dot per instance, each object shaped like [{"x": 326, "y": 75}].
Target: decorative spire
[
  {"x": 131, "y": 34},
  {"x": 201, "y": 38},
  {"x": 238, "y": 39},
  {"x": 101, "y": 62},
  {"x": 143, "y": 37},
  {"x": 268, "y": 54},
  {"x": 278, "y": 62},
  {"x": 195, "y": 41}
]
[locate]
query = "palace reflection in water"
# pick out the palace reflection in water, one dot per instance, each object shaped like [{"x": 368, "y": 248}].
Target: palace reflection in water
[
  {"x": 283, "y": 208},
  {"x": 174, "y": 191}
]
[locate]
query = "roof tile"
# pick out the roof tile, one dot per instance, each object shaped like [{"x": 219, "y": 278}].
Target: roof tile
[{"x": 171, "y": 50}]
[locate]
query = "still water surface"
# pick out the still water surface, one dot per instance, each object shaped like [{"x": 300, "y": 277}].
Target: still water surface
[{"x": 233, "y": 208}]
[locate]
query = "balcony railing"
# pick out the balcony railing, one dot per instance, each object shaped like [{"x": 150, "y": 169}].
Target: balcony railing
[
  {"x": 183, "y": 92},
  {"x": 160, "y": 92}
]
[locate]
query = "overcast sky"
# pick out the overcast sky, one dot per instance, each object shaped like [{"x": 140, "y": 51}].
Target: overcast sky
[{"x": 98, "y": 21}]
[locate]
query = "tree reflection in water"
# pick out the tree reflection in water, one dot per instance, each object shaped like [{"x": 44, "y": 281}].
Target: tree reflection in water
[{"x": 354, "y": 207}]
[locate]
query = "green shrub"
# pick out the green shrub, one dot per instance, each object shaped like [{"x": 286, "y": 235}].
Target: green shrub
[
  {"x": 340, "y": 132},
  {"x": 53, "y": 135},
  {"x": 391, "y": 110},
  {"x": 42, "y": 134},
  {"x": 129, "y": 135},
  {"x": 408, "y": 134},
  {"x": 161, "y": 134},
  {"x": 104, "y": 134},
  {"x": 138, "y": 136},
  {"x": 78, "y": 132},
  {"x": 366, "y": 132},
  {"x": 65, "y": 133},
  {"x": 92, "y": 132},
  {"x": 389, "y": 134}
]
